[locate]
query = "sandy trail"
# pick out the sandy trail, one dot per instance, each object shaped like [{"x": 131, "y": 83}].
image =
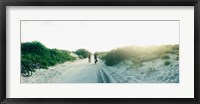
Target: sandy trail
[{"x": 79, "y": 71}]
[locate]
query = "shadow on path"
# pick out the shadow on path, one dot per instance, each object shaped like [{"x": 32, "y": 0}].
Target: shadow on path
[{"x": 102, "y": 77}]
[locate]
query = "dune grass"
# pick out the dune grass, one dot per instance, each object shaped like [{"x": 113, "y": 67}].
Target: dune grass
[{"x": 139, "y": 54}]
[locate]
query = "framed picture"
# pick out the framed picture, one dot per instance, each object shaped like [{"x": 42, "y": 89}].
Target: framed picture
[{"x": 130, "y": 51}]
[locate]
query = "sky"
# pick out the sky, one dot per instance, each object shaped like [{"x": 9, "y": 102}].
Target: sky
[{"x": 99, "y": 35}]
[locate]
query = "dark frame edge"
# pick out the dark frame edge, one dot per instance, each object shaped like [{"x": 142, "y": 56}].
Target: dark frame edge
[
  {"x": 197, "y": 50},
  {"x": 4, "y": 100},
  {"x": 3, "y": 51},
  {"x": 101, "y": 2}
]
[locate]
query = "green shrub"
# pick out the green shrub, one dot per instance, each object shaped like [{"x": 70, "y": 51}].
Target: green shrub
[
  {"x": 82, "y": 53},
  {"x": 35, "y": 52},
  {"x": 177, "y": 58},
  {"x": 115, "y": 56},
  {"x": 165, "y": 57},
  {"x": 80, "y": 56},
  {"x": 167, "y": 63},
  {"x": 102, "y": 55}
]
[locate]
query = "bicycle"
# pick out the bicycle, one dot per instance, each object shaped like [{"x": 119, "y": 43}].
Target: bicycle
[
  {"x": 33, "y": 66},
  {"x": 26, "y": 72}
]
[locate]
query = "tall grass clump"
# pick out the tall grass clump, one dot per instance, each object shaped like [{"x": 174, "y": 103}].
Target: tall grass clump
[
  {"x": 167, "y": 63},
  {"x": 36, "y": 52}
]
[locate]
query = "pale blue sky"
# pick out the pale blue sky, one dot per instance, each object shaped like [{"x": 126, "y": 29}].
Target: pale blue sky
[{"x": 99, "y": 35}]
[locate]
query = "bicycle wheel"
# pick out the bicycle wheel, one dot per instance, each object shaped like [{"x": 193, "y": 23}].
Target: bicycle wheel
[{"x": 25, "y": 72}]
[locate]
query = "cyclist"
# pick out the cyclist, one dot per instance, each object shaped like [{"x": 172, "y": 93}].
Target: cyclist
[{"x": 95, "y": 58}]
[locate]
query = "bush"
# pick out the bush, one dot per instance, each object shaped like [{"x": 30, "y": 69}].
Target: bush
[
  {"x": 165, "y": 57},
  {"x": 102, "y": 55},
  {"x": 35, "y": 52},
  {"x": 167, "y": 63},
  {"x": 177, "y": 58},
  {"x": 114, "y": 57},
  {"x": 30, "y": 47},
  {"x": 82, "y": 53}
]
